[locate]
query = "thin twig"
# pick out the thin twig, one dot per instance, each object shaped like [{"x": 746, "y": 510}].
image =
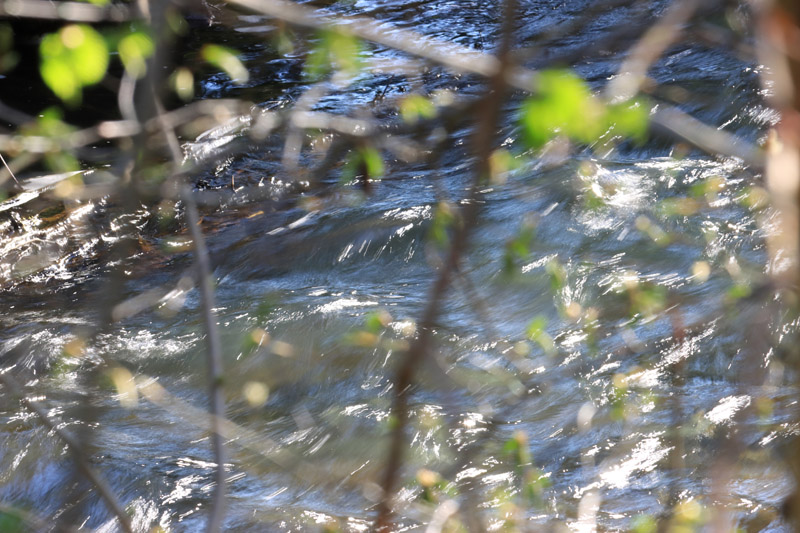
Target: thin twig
[
  {"x": 65, "y": 11},
  {"x": 451, "y": 55},
  {"x": 3, "y": 159},
  {"x": 483, "y": 142},
  {"x": 81, "y": 458},
  {"x": 649, "y": 48},
  {"x": 214, "y": 359}
]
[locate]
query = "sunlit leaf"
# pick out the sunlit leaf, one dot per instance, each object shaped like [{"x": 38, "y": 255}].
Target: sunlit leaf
[
  {"x": 536, "y": 332},
  {"x": 134, "y": 49},
  {"x": 564, "y": 105},
  {"x": 558, "y": 274},
  {"x": 255, "y": 393},
  {"x": 284, "y": 41},
  {"x": 644, "y": 524},
  {"x": 50, "y": 124},
  {"x": 376, "y": 321},
  {"x": 373, "y": 162},
  {"x": 366, "y": 163},
  {"x": 708, "y": 188},
  {"x": 653, "y": 230},
  {"x": 518, "y": 248},
  {"x": 415, "y": 107},
  {"x": 61, "y": 80},
  {"x": 680, "y": 206},
  {"x": 648, "y": 299},
  {"x": 755, "y": 198},
  {"x": 443, "y": 220},
  {"x": 518, "y": 449},
  {"x": 739, "y": 291},
  {"x": 334, "y": 51},
  {"x": 182, "y": 81},
  {"x": 125, "y": 385},
  {"x": 74, "y": 57},
  {"x": 629, "y": 119},
  {"x": 501, "y": 162},
  {"x": 225, "y": 59}
]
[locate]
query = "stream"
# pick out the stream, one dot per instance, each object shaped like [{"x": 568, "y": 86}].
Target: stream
[{"x": 308, "y": 386}]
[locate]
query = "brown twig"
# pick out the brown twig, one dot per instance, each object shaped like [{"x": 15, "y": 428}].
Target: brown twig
[
  {"x": 81, "y": 457},
  {"x": 214, "y": 359},
  {"x": 65, "y": 11},
  {"x": 483, "y": 142}
]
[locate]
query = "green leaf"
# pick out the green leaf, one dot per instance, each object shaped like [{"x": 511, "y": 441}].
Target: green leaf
[
  {"x": 739, "y": 291},
  {"x": 134, "y": 49},
  {"x": 629, "y": 119},
  {"x": 182, "y": 81},
  {"x": 74, "y": 57},
  {"x": 50, "y": 124},
  {"x": 11, "y": 522},
  {"x": 644, "y": 524},
  {"x": 536, "y": 332},
  {"x": 564, "y": 105},
  {"x": 61, "y": 80},
  {"x": 365, "y": 161},
  {"x": 376, "y": 321},
  {"x": 335, "y": 51},
  {"x": 225, "y": 59},
  {"x": 558, "y": 274},
  {"x": 415, "y": 107},
  {"x": 519, "y": 246},
  {"x": 373, "y": 162},
  {"x": 648, "y": 299},
  {"x": 443, "y": 220}
]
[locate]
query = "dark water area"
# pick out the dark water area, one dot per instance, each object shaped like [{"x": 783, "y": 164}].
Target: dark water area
[{"x": 309, "y": 402}]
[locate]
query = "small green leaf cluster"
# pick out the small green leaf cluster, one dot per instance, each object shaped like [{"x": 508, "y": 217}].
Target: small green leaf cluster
[
  {"x": 564, "y": 105},
  {"x": 51, "y": 124},
  {"x": 227, "y": 60},
  {"x": 537, "y": 332},
  {"x": 336, "y": 51},
  {"x": 518, "y": 248},
  {"x": 364, "y": 162},
  {"x": 444, "y": 217},
  {"x": 74, "y": 57},
  {"x": 78, "y": 56},
  {"x": 533, "y": 481}
]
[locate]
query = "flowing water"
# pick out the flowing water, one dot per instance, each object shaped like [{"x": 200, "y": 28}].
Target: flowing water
[{"x": 295, "y": 287}]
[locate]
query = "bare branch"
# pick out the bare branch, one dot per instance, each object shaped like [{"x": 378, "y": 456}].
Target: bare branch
[
  {"x": 214, "y": 359},
  {"x": 81, "y": 458},
  {"x": 676, "y": 124},
  {"x": 649, "y": 48},
  {"x": 65, "y": 11},
  {"x": 451, "y": 55},
  {"x": 483, "y": 144}
]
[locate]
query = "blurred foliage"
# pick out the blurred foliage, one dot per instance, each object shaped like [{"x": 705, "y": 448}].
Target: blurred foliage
[
  {"x": 71, "y": 59},
  {"x": 563, "y": 104},
  {"x": 335, "y": 51},
  {"x": 227, "y": 60}
]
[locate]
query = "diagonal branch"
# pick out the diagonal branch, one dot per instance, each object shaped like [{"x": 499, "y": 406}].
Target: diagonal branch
[
  {"x": 214, "y": 359},
  {"x": 81, "y": 457}
]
